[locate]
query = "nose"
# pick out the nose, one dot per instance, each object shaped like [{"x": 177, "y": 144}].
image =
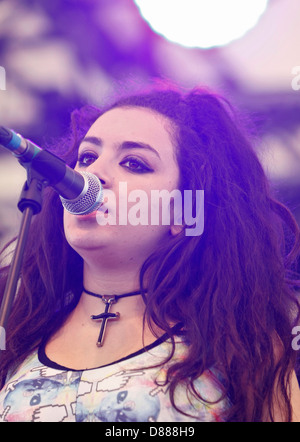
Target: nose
[{"x": 101, "y": 169}]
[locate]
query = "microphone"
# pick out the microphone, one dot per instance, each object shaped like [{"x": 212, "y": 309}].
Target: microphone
[{"x": 80, "y": 193}]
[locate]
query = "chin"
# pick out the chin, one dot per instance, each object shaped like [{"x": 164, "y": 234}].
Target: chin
[{"x": 85, "y": 240}]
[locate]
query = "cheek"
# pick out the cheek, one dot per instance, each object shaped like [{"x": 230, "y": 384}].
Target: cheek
[
  {"x": 67, "y": 224},
  {"x": 66, "y": 219},
  {"x": 144, "y": 240},
  {"x": 155, "y": 194}
]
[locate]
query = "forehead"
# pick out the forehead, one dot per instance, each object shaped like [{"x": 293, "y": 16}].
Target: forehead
[{"x": 135, "y": 124}]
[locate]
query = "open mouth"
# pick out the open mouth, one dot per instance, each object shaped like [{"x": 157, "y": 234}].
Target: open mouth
[{"x": 103, "y": 209}]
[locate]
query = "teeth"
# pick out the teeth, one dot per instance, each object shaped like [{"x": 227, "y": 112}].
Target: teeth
[{"x": 102, "y": 208}]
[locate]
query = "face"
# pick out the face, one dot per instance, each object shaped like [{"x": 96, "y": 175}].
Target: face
[{"x": 131, "y": 151}]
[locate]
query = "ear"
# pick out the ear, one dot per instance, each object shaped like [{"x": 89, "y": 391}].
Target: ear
[
  {"x": 176, "y": 226},
  {"x": 176, "y": 229}
]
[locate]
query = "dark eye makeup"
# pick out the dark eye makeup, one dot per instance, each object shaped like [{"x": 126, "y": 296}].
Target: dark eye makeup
[
  {"x": 86, "y": 158},
  {"x": 134, "y": 164}
]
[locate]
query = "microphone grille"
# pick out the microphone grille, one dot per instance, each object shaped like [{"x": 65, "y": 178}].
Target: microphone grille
[{"x": 89, "y": 199}]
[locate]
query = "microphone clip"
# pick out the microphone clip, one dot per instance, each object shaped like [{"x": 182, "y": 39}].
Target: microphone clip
[{"x": 32, "y": 191}]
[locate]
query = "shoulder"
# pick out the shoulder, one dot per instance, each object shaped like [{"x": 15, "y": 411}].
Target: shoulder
[{"x": 204, "y": 396}]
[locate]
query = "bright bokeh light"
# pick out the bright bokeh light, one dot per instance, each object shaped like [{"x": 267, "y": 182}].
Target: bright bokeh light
[{"x": 201, "y": 23}]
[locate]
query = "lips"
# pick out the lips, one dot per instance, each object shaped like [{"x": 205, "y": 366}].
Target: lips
[
  {"x": 89, "y": 216},
  {"x": 102, "y": 208}
]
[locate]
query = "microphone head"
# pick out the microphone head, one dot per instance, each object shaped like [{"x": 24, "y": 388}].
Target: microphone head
[{"x": 90, "y": 198}]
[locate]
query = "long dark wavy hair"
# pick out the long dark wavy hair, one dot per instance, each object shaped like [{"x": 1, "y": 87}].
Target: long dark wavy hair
[{"x": 233, "y": 288}]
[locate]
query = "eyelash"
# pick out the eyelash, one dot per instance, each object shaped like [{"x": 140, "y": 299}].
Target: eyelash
[
  {"x": 82, "y": 157},
  {"x": 143, "y": 167}
]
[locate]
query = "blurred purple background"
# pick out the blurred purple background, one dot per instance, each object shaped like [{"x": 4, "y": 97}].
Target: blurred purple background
[{"x": 58, "y": 55}]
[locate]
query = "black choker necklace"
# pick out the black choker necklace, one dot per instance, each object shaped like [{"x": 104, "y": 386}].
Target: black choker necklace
[{"x": 108, "y": 301}]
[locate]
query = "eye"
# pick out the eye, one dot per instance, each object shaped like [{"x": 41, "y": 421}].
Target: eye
[
  {"x": 86, "y": 158},
  {"x": 136, "y": 165}
]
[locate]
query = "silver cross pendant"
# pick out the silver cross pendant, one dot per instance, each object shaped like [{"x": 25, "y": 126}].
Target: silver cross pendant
[{"x": 105, "y": 316}]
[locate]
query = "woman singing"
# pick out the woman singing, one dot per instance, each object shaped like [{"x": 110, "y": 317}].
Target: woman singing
[{"x": 119, "y": 318}]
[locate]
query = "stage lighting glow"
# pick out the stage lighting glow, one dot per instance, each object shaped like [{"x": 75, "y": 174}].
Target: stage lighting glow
[{"x": 201, "y": 23}]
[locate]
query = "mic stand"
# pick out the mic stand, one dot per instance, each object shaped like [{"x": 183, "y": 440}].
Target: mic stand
[{"x": 30, "y": 203}]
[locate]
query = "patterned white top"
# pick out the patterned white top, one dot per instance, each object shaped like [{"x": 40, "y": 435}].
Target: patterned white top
[{"x": 124, "y": 391}]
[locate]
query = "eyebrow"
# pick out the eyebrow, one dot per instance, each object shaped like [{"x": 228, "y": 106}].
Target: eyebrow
[
  {"x": 93, "y": 140},
  {"x": 126, "y": 145},
  {"x": 138, "y": 145}
]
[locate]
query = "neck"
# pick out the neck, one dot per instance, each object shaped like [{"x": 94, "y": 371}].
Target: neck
[
  {"x": 104, "y": 296},
  {"x": 112, "y": 280}
]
